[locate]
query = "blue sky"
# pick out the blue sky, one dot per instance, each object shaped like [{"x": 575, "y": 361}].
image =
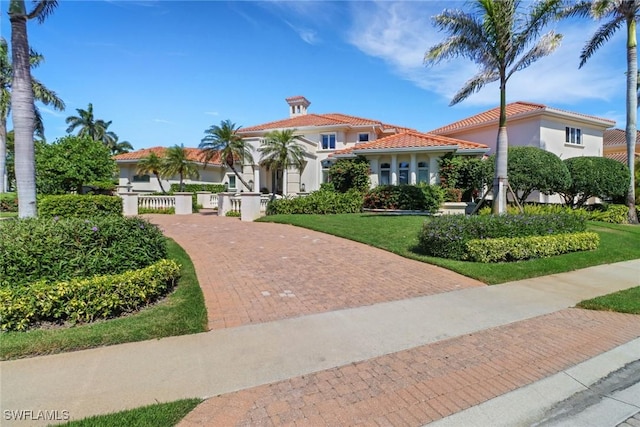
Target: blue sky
[{"x": 165, "y": 71}]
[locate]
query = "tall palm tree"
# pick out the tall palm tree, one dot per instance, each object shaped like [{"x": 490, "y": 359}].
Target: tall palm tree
[
  {"x": 176, "y": 162},
  {"x": 224, "y": 139},
  {"x": 151, "y": 164},
  {"x": 40, "y": 92},
  {"x": 497, "y": 35},
  {"x": 119, "y": 147},
  {"x": 22, "y": 100},
  {"x": 88, "y": 125},
  {"x": 618, "y": 13},
  {"x": 279, "y": 150}
]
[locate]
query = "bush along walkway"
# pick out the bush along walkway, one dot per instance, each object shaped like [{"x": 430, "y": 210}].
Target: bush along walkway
[{"x": 399, "y": 360}]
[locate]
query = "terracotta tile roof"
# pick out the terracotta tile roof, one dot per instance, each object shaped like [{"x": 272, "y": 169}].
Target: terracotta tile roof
[
  {"x": 616, "y": 137},
  {"x": 193, "y": 154},
  {"x": 514, "y": 109},
  {"x": 412, "y": 139},
  {"x": 310, "y": 120},
  {"x": 295, "y": 98},
  {"x": 620, "y": 156}
]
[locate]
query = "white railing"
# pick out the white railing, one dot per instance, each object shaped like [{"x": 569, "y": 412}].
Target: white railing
[
  {"x": 156, "y": 202},
  {"x": 213, "y": 201},
  {"x": 236, "y": 202}
]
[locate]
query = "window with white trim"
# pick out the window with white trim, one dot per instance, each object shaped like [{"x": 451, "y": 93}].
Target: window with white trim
[
  {"x": 363, "y": 137},
  {"x": 141, "y": 178},
  {"x": 328, "y": 141},
  {"x": 232, "y": 182},
  {"x": 403, "y": 173},
  {"x": 423, "y": 172},
  {"x": 385, "y": 173},
  {"x": 572, "y": 135}
]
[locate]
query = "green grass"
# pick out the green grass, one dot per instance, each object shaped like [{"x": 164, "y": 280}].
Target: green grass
[
  {"x": 8, "y": 214},
  {"x": 182, "y": 312},
  {"x": 158, "y": 415},
  {"x": 627, "y": 301},
  {"x": 399, "y": 234}
]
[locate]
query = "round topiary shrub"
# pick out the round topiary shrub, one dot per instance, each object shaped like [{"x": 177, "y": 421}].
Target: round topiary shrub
[
  {"x": 57, "y": 249},
  {"x": 403, "y": 197}
]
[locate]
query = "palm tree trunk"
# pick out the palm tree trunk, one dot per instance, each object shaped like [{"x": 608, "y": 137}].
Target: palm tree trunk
[
  {"x": 500, "y": 181},
  {"x": 181, "y": 182},
  {"x": 3, "y": 154},
  {"x": 23, "y": 114},
  {"x": 159, "y": 182},
  {"x": 632, "y": 113},
  {"x": 245, "y": 183}
]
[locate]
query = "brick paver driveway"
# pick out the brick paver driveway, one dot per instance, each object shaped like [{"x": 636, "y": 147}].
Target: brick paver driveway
[{"x": 259, "y": 272}]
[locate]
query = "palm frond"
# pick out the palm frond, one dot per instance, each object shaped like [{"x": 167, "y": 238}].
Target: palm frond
[
  {"x": 42, "y": 9},
  {"x": 545, "y": 46},
  {"x": 601, "y": 36},
  {"x": 475, "y": 84},
  {"x": 45, "y": 95}
]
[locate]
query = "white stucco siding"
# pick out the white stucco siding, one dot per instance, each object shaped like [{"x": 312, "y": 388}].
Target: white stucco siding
[{"x": 553, "y": 134}]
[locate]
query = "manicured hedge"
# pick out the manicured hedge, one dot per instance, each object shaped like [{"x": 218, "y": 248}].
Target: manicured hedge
[
  {"x": 60, "y": 249},
  {"x": 521, "y": 248},
  {"x": 194, "y": 188},
  {"x": 318, "y": 202},
  {"x": 79, "y": 206},
  {"x": 446, "y": 236},
  {"x": 615, "y": 214},
  {"x": 404, "y": 197},
  {"x": 8, "y": 202},
  {"x": 85, "y": 299}
]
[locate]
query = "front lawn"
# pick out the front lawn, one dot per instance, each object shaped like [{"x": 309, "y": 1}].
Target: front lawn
[
  {"x": 182, "y": 312},
  {"x": 399, "y": 234},
  {"x": 626, "y": 301},
  {"x": 158, "y": 415}
]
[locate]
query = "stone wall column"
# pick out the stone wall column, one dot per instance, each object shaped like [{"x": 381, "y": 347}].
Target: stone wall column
[
  {"x": 129, "y": 204},
  {"x": 203, "y": 198},
  {"x": 250, "y": 206},
  {"x": 224, "y": 203},
  {"x": 183, "y": 203}
]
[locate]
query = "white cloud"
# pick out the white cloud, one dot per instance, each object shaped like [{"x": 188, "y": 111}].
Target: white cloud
[
  {"x": 400, "y": 33},
  {"x": 307, "y": 35},
  {"x": 163, "y": 121},
  {"x": 211, "y": 113},
  {"x": 51, "y": 112}
]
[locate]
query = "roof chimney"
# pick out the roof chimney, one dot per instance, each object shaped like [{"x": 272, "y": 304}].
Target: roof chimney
[{"x": 297, "y": 106}]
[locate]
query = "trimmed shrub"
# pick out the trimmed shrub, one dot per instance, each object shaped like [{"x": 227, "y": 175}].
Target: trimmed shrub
[
  {"x": 73, "y": 205},
  {"x": 167, "y": 211},
  {"x": 85, "y": 299},
  {"x": 60, "y": 249},
  {"x": 348, "y": 174},
  {"x": 318, "y": 202},
  {"x": 615, "y": 214},
  {"x": 403, "y": 197},
  {"x": 446, "y": 236},
  {"x": 8, "y": 202},
  {"x": 595, "y": 177},
  {"x": 194, "y": 188},
  {"x": 521, "y": 248},
  {"x": 233, "y": 214}
]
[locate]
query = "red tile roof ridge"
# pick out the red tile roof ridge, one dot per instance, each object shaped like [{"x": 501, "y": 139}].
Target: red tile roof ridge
[
  {"x": 193, "y": 154},
  {"x": 514, "y": 109}
]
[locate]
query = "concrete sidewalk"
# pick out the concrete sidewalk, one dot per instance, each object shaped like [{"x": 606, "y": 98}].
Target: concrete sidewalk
[{"x": 226, "y": 360}]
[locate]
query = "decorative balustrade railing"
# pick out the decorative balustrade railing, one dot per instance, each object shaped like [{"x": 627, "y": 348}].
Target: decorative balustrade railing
[{"x": 156, "y": 202}]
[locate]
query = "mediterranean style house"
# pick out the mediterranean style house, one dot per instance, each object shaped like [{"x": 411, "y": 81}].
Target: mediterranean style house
[
  {"x": 563, "y": 133},
  {"x": 396, "y": 154}
]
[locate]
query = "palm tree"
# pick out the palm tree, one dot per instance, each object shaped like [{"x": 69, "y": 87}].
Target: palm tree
[
  {"x": 279, "y": 150},
  {"x": 617, "y": 13},
  {"x": 88, "y": 124},
  {"x": 40, "y": 93},
  {"x": 119, "y": 147},
  {"x": 496, "y": 35},
  {"x": 176, "y": 162},
  {"x": 151, "y": 164},
  {"x": 22, "y": 101},
  {"x": 224, "y": 139}
]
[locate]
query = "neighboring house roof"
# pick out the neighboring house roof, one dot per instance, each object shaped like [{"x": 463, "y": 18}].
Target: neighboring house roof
[
  {"x": 620, "y": 156},
  {"x": 616, "y": 137},
  {"x": 318, "y": 120},
  {"x": 193, "y": 154},
  {"x": 516, "y": 110},
  {"x": 412, "y": 140}
]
